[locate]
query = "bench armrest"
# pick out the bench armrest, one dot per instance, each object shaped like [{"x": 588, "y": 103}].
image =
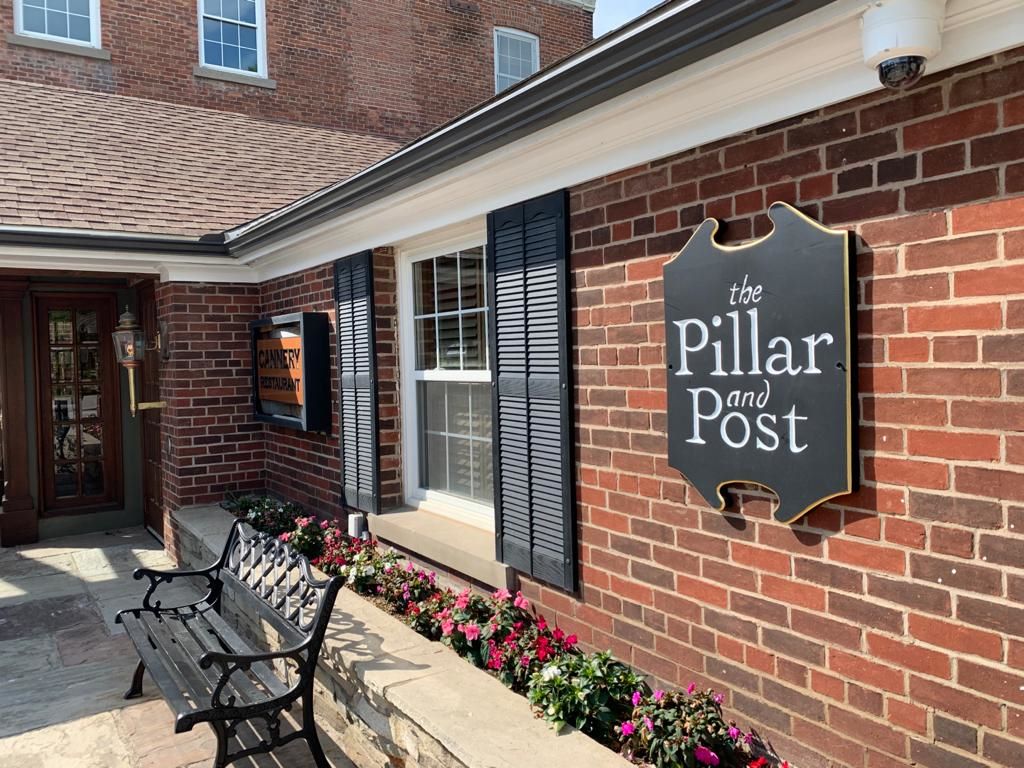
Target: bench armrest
[
  {"x": 230, "y": 663},
  {"x": 156, "y": 578}
]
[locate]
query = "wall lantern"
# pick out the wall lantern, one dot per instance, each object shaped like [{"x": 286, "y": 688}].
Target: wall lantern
[{"x": 130, "y": 348}]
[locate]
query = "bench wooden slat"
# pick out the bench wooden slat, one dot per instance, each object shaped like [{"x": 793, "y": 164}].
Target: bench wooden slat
[{"x": 163, "y": 671}]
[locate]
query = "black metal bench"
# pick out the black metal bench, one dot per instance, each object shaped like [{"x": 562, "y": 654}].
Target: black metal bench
[{"x": 208, "y": 673}]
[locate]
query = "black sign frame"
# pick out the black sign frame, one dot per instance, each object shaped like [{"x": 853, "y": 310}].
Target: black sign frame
[
  {"x": 314, "y": 413},
  {"x": 804, "y": 449}
]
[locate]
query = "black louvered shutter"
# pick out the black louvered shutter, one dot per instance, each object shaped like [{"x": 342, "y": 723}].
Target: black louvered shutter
[
  {"x": 528, "y": 285},
  {"x": 357, "y": 374}
]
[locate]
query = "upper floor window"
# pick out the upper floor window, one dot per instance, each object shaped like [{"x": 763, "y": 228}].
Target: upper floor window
[
  {"x": 516, "y": 57},
  {"x": 233, "y": 35},
  {"x": 74, "y": 21}
]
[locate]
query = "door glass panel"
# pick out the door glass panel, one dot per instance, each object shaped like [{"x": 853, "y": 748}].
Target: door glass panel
[
  {"x": 87, "y": 330},
  {"x": 66, "y": 480},
  {"x": 63, "y": 403},
  {"x": 92, "y": 479},
  {"x": 62, "y": 365},
  {"x": 89, "y": 363},
  {"x": 90, "y": 402},
  {"x": 65, "y": 441},
  {"x": 92, "y": 440},
  {"x": 60, "y": 327}
]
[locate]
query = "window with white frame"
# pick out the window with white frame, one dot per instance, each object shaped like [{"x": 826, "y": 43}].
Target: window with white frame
[
  {"x": 516, "y": 57},
  {"x": 232, "y": 35},
  {"x": 71, "y": 21},
  {"x": 452, "y": 380}
]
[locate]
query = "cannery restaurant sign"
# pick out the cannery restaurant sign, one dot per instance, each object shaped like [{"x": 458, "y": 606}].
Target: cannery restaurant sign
[
  {"x": 279, "y": 369},
  {"x": 759, "y": 363}
]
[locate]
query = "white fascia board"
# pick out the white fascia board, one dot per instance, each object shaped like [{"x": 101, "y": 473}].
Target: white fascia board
[
  {"x": 168, "y": 267},
  {"x": 813, "y": 61}
]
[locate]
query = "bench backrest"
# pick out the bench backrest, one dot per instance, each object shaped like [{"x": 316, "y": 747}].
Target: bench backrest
[{"x": 288, "y": 595}]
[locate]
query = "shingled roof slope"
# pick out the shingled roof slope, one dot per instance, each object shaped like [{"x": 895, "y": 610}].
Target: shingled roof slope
[{"x": 81, "y": 160}]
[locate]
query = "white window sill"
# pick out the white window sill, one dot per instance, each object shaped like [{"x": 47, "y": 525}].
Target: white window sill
[
  {"x": 233, "y": 77},
  {"x": 58, "y": 46},
  {"x": 465, "y": 549}
]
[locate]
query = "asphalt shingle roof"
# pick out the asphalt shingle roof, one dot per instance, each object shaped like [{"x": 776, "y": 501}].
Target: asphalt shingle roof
[{"x": 81, "y": 160}]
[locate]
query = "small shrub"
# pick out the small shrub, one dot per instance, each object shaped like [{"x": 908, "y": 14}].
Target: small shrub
[
  {"x": 306, "y": 536},
  {"x": 265, "y": 513},
  {"x": 591, "y": 693}
]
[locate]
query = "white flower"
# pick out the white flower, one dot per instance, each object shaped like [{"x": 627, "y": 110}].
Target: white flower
[{"x": 550, "y": 672}]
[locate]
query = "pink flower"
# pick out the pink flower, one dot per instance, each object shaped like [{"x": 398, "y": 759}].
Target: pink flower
[
  {"x": 471, "y": 631},
  {"x": 447, "y": 627},
  {"x": 705, "y": 756},
  {"x": 571, "y": 640},
  {"x": 542, "y": 624},
  {"x": 734, "y": 732},
  {"x": 462, "y": 601},
  {"x": 637, "y": 698},
  {"x": 691, "y": 688},
  {"x": 719, "y": 698},
  {"x": 284, "y": 537},
  {"x": 627, "y": 728},
  {"x": 521, "y": 602},
  {"x": 502, "y": 595},
  {"x": 649, "y": 723},
  {"x": 409, "y": 567},
  {"x": 659, "y": 695}
]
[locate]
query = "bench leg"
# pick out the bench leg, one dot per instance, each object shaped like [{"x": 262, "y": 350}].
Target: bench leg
[
  {"x": 219, "y": 728},
  {"x": 309, "y": 729},
  {"x": 136, "y": 690}
]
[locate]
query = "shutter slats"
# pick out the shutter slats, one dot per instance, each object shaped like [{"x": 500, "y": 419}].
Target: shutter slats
[
  {"x": 357, "y": 368},
  {"x": 530, "y": 340}
]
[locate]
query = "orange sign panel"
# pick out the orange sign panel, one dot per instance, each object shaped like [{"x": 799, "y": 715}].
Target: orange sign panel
[{"x": 279, "y": 369}]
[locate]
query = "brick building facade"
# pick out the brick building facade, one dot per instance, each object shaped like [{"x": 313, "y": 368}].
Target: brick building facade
[
  {"x": 326, "y": 62},
  {"x": 886, "y": 627}
]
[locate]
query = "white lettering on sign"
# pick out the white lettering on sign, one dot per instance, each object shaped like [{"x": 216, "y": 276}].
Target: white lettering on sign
[{"x": 730, "y": 345}]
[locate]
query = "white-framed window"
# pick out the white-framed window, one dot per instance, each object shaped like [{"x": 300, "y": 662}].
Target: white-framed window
[
  {"x": 69, "y": 21},
  {"x": 232, "y": 36},
  {"x": 447, "y": 394},
  {"x": 516, "y": 56}
]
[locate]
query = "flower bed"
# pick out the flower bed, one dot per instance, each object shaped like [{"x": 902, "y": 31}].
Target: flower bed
[{"x": 500, "y": 633}]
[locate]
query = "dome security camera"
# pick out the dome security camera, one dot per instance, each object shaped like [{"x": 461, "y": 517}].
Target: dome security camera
[{"x": 900, "y": 36}]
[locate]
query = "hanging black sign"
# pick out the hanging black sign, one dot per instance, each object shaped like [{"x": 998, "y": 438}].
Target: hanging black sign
[
  {"x": 760, "y": 361},
  {"x": 290, "y": 369}
]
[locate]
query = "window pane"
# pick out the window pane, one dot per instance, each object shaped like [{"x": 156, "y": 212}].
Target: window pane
[
  {"x": 480, "y": 411},
  {"x": 81, "y": 7},
  {"x": 35, "y": 3},
  {"x": 449, "y": 346},
  {"x": 89, "y": 363},
  {"x": 87, "y": 327},
  {"x": 230, "y": 33},
  {"x": 62, "y": 365},
  {"x": 247, "y": 37},
  {"x": 435, "y": 462},
  {"x": 231, "y": 58},
  {"x": 213, "y": 7},
  {"x": 65, "y": 441},
  {"x": 92, "y": 479},
  {"x": 229, "y": 9},
  {"x": 66, "y": 480},
  {"x": 90, "y": 402},
  {"x": 460, "y": 466},
  {"x": 211, "y": 54},
  {"x": 483, "y": 480},
  {"x": 474, "y": 341},
  {"x": 249, "y": 61},
  {"x": 56, "y": 24},
  {"x": 471, "y": 264},
  {"x": 426, "y": 344},
  {"x": 92, "y": 440},
  {"x": 63, "y": 403},
  {"x": 432, "y": 405},
  {"x": 79, "y": 28},
  {"x": 57, "y": 5},
  {"x": 458, "y": 409},
  {"x": 211, "y": 30},
  {"x": 33, "y": 20},
  {"x": 423, "y": 277},
  {"x": 447, "y": 284},
  {"x": 247, "y": 10},
  {"x": 60, "y": 326}
]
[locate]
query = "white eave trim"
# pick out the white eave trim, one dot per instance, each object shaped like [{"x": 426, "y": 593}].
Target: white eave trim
[{"x": 804, "y": 65}]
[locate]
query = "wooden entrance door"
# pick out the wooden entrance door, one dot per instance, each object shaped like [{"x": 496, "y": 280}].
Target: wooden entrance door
[
  {"x": 152, "y": 459},
  {"x": 79, "y": 415}
]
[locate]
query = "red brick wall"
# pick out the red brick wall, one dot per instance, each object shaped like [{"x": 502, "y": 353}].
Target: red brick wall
[
  {"x": 211, "y": 443},
  {"x": 889, "y": 619},
  {"x": 392, "y": 67}
]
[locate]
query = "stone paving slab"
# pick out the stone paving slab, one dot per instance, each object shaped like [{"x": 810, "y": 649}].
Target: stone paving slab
[{"x": 64, "y": 664}]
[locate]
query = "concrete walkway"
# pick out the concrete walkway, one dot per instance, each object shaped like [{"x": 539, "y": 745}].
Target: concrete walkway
[{"x": 64, "y": 664}]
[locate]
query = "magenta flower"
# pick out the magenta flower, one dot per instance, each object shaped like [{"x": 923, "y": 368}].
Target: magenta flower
[
  {"x": 471, "y": 631},
  {"x": 719, "y": 698},
  {"x": 447, "y": 627},
  {"x": 691, "y": 688},
  {"x": 637, "y": 698},
  {"x": 734, "y": 732},
  {"x": 705, "y": 756},
  {"x": 659, "y": 695},
  {"x": 521, "y": 602},
  {"x": 627, "y": 728},
  {"x": 409, "y": 568},
  {"x": 649, "y": 723}
]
